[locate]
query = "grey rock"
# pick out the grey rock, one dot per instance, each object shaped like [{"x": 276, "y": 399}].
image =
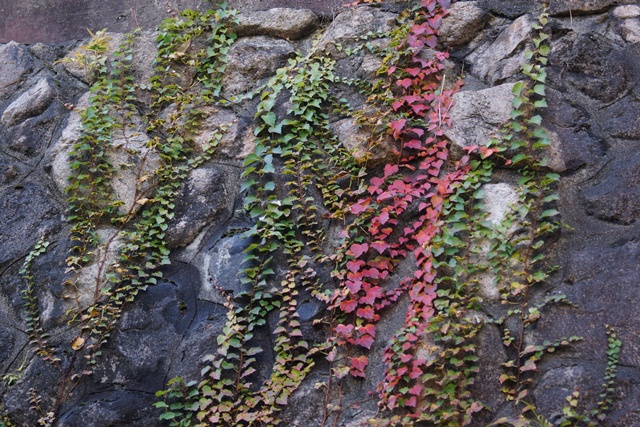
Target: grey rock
[
  {"x": 583, "y": 7},
  {"x": 464, "y": 22},
  {"x": 508, "y": 8},
  {"x": 59, "y": 153},
  {"x": 252, "y": 59},
  {"x": 631, "y": 30},
  {"x": 353, "y": 23},
  {"x": 286, "y": 23},
  {"x": 15, "y": 64},
  {"x": 29, "y": 104},
  {"x": 498, "y": 200},
  {"x": 629, "y": 11},
  {"x": 616, "y": 198},
  {"x": 204, "y": 198},
  {"x": 223, "y": 262},
  {"x": 326, "y": 8},
  {"x": 357, "y": 140},
  {"x": 477, "y": 115},
  {"x": 25, "y": 222},
  {"x": 501, "y": 59},
  {"x": 594, "y": 66}
]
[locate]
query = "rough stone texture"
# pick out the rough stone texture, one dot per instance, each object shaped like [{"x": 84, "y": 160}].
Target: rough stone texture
[
  {"x": 464, "y": 22},
  {"x": 582, "y": 7},
  {"x": 508, "y": 8},
  {"x": 593, "y": 121},
  {"x": 629, "y": 11},
  {"x": 356, "y": 140},
  {"x": 15, "y": 64},
  {"x": 290, "y": 24},
  {"x": 499, "y": 60},
  {"x": 29, "y": 104},
  {"x": 205, "y": 197},
  {"x": 252, "y": 59},
  {"x": 354, "y": 23},
  {"x": 615, "y": 195},
  {"x": 477, "y": 115},
  {"x": 631, "y": 30},
  {"x": 595, "y": 66}
]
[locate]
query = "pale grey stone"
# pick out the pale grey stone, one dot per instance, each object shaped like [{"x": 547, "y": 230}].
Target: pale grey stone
[
  {"x": 353, "y": 23},
  {"x": 357, "y": 140},
  {"x": 290, "y": 24},
  {"x": 253, "y": 58},
  {"x": 628, "y": 11},
  {"x": 579, "y": 7},
  {"x": 464, "y": 22},
  {"x": 477, "y": 115},
  {"x": 631, "y": 30},
  {"x": 31, "y": 103},
  {"x": 500, "y": 60}
]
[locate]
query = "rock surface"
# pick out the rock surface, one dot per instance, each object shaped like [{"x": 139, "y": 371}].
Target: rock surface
[
  {"x": 290, "y": 24},
  {"x": 464, "y": 22},
  {"x": 593, "y": 121},
  {"x": 477, "y": 115}
]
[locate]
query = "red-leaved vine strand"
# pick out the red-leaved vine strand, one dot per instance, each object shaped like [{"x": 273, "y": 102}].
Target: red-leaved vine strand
[{"x": 421, "y": 174}]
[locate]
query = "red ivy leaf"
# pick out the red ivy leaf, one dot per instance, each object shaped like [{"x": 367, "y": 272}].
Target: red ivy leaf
[
  {"x": 380, "y": 246},
  {"x": 405, "y": 83},
  {"x": 365, "y": 312},
  {"x": 413, "y": 71},
  {"x": 361, "y": 206},
  {"x": 368, "y": 329},
  {"x": 412, "y": 402},
  {"x": 358, "y": 364},
  {"x": 354, "y": 265},
  {"x": 397, "y": 104},
  {"x": 344, "y": 329},
  {"x": 383, "y": 217},
  {"x": 415, "y": 390},
  {"x": 431, "y": 40},
  {"x": 348, "y": 306},
  {"x": 358, "y": 249},
  {"x": 397, "y": 126},
  {"x": 416, "y": 144},
  {"x": 391, "y": 169},
  {"x": 365, "y": 341},
  {"x": 415, "y": 373},
  {"x": 354, "y": 286}
]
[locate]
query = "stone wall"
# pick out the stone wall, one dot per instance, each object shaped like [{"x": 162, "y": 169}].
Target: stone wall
[{"x": 593, "y": 121}]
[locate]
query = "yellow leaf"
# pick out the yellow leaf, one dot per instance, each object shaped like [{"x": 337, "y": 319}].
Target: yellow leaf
[{"x": 77, "y": 343}]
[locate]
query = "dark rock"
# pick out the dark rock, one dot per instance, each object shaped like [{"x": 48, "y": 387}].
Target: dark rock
[
  {"x": 225, "y": 262},
  {"x": 205, "y": 198},
  {"x": 16, "y": 62},
  {"x": 593, "y": 65},
  {"x": 615, "y": 196},
  {"x": 583, "y": 7},
  {"x": 33, "y": 219},
  {"x": 122, "y": 408},
  {"x": 464, "y": 22},
  {"x": 622, "y": 119},
  {"x": 508, "y": 8}
]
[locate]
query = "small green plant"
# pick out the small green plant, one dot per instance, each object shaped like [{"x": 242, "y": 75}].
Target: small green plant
[
  {"x": 37, "y": 335},
  {"x": 91, "y": 56}
]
